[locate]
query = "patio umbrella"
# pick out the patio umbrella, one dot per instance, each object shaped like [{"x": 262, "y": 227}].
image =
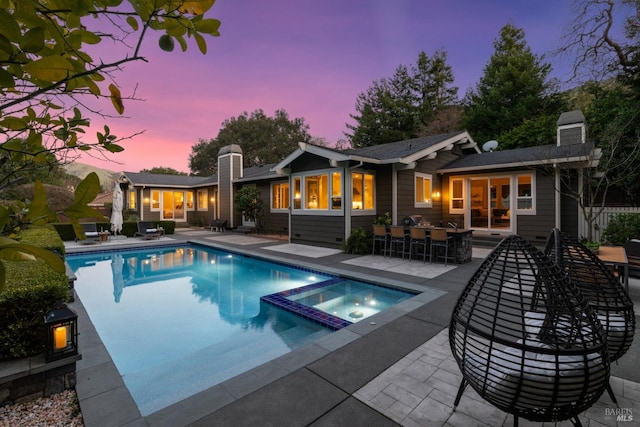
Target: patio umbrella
[
  {"x": 116, "y": 210},
  {"x": 117, "y": 264}
]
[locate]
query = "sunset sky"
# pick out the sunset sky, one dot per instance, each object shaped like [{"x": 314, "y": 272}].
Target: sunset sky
[{"x": 310, "y": 58}]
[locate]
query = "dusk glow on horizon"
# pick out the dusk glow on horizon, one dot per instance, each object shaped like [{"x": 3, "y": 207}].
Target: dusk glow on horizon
[{"x": 309, "y": 58}]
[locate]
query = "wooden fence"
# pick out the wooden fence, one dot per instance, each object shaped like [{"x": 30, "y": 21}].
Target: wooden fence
[{"x": 602, "y": 220}]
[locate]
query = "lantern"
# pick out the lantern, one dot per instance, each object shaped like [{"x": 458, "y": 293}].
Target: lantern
[{"x": 62, "y": 332}]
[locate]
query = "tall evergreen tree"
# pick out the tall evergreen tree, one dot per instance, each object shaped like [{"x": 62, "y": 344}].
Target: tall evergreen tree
[
  {"x": 263, "y": 140},
  {"x": 397, "y": 108},
  {"x": 511, "y": 93}
]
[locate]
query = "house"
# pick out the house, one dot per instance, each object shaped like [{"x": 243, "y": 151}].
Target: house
[{"x": 318, "y": 195}]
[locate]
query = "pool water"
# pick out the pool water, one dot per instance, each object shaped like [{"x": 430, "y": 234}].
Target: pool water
[{"x": 177, "y": 320}]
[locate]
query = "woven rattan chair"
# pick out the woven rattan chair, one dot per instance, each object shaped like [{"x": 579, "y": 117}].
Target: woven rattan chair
[
  {"x": 602, "y": 290},
  {"x": 526, "y": 340}
]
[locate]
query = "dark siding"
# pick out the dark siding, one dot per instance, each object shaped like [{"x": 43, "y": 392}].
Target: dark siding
[
  {"x": 224, "y": 185},
  {"x": 536, "y": 228},
  {"x": 384, "y": 196},
  {"x": 364, "y": 222},
  {"x": 327, "y": 231},
  {"x": 271, "y": 222},
  {"x": 406, "y": 189},
  {"x": 309, "y": 162},
  {"x": 571, "y": 136},
  {"x": 570, "y": 209}
]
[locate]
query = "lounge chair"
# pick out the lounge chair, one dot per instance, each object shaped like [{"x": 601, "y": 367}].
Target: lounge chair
[
  {"x": 219, "y": 225},
  {"x": 90, "y": 230},
  {"x": 147, "y": 231}
]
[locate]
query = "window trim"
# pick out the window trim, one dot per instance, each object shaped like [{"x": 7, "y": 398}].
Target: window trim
[
  {"x": 302, "y": 210},
  {"x": 288, "y": 200},
  {"x": 463, "y": 198},
  {"x": 423, "y": 176},
  {"x": 532, "y": 197},
  {"x": 205, "y": 192},
  {"x": 363, "y": 211}
]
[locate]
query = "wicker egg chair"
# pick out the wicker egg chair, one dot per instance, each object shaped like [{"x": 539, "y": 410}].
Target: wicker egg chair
[
  {"x": 602, "y": 290},
  {"x": 526, "y": 340}
]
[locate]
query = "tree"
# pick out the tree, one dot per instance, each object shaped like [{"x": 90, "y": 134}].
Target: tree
[
  {"x": 263, "y": 140},
  {"x": 247, "y": 201},
  {"x": 604, "y": 40},
  {"x": 47, "y": 69},
  {"x": 397, "y": 108},
  {"x": 512, "y": 92},
  {"x": 163, "y": 170}
]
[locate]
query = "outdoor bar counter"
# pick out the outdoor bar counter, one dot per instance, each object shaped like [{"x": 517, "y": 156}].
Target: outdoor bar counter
[{"x": 462, "y": 240}]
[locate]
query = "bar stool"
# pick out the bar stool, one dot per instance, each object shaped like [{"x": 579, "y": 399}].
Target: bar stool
[
  {"x": 398, "y": 237},
  {"x": 418, "y": 237},
  {"x": 439, "y": 239},
  {"x": 381, "y": 236}
]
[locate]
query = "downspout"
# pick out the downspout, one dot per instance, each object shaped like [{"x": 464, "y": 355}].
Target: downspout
[
  {"x": 142, "y": 203},
  {"x": 394, "y": 195},
  {"x": 348, "y": 204},
  {"x": 557, "y": 198}
]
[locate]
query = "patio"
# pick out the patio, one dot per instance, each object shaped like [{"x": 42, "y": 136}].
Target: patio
[{"x": 397, "y": 370}]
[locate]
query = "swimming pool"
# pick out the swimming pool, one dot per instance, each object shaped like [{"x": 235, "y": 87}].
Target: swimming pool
[{"x": 179, "y": 319}]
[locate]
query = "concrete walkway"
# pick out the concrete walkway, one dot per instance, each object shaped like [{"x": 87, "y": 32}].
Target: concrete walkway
[{"x": 395, "y": 370}]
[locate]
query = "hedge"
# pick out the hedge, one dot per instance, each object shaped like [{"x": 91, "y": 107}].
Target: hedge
[
  {"x": 32, "y": 288},
  {"x": 42, "y": 237},
  {"x": 621, "y": 227}
]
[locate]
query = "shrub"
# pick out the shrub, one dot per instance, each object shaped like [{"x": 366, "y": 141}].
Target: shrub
[
  {"x": 43, "y": 237},
  {"x": 358, "y": 243},
  {"x": 621, "y": 228},
  {"x": 383, "y": 219},
  {"x": 32, "y": 289}
]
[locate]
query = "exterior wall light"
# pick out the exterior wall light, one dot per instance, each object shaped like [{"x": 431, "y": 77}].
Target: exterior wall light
[{"x": 62, "y": 333}]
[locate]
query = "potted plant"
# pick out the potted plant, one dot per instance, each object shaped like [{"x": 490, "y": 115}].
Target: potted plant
[
  {"x": 593, "y": 247},
  {"x": 383, "y": 220}
]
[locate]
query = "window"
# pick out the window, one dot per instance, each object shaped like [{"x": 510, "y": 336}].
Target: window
[
  {"x": 457, "y": 195},
  {"x": 316, "y": 192},
  {"x": 189, "y": 200},
  {"x": 362, "y": 189},
  {"x": 297, "y": 193},
  {"x": 155, "y": 200},
  {"x": 279, "y": 196},
  {"x": 336, "y": 190},
  {"x": 132, "y": 200},
  {"x": 524, "y": 197},
  {"x": 423, "y": 190},
  {"x": 202, "y": 200}
]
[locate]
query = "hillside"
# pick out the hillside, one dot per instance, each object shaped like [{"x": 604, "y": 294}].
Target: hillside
[{"x": 81, "y": 170}]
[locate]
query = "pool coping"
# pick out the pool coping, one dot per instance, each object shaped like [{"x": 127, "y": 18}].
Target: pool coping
[{"x": 105, "y": 400}]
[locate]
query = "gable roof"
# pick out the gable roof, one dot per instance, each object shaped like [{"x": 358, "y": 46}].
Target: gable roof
[
  {"x": 162, "y": 180},
  {"x": 405, "y": 152},
  {"x": 529, "y": 156},
  {"x": 257, "y": 172}
]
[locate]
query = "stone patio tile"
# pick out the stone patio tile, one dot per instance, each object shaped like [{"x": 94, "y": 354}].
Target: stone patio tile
[
  {"x": 399, "y": 411},
  {"x": 382, "y": 401},
  {"x": 433, "y": 358},
  {"x": 460, "y": 419},
  {"x": 444, "y": 398},
  {"x": 448, "y": 377},
  {"x": 444, "y": 387},
  {"x": 413, "y": 385},
  {"x": 450, "y": 365},
  {"x": 480, "y": 410},
  {"x": 402, "y": 395},
  {"x": 430, "y": 412},
  {"x": 419, "y": 370}
]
